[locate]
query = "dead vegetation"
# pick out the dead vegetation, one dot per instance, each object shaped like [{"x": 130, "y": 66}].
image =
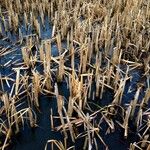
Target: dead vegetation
[{"x": 106, "y": 41}]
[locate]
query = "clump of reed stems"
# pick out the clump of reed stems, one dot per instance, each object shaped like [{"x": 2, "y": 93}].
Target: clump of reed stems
[{"x": 104, "y": 37}]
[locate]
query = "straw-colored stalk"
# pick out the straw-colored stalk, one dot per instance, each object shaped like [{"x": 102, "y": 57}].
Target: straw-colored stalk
[
  {"x": 26, "y": 57},
  {"x": 58, "y": 38},
  {"x": 36, "y": 87},
  {"x": 14, "y": 117},
  {"x": 17, "y": 81},
  {"x": 41, "y": 51},
  {"x": 37, "y": 26},
  {"x": 70, "y": 106},
  {"x": 5, "y": 100},
  {"x": 25, "y": 19},
  {"x": 84, "y": 61},
  {"x": 31, "y": 118},
  {"x": 147, "y": 96},
  {"x": 115, "y": 57},
  {"x": 144, "y": 144},
  {"x": 54, "y": 24},
  {"x": 126, "y": 120},
  {"x": 61, "y": 70}
]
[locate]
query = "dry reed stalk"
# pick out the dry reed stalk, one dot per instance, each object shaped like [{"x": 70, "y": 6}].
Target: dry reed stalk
[
  {"x": 85, "y": 53},
  {"x": 144, "y": 144},
  {"x": 42, "y": 15},
  {"x": 41, "y": 51},
  {"x": 19, "y": 6},
  {"x": 72, "y": 58},
  {"x": 17, "y": 81},
  {"x": 47, "y": 65},
  {"x": 58, "y": 38},
  {"x": 132, "y": 147},
  {"x": 16, "y": 21},
  {"x": 89, "y": 135},
  {"x": 115, "y": 57},
  {"x": 58, "y": 144},
  {"x": 70, "y": 106},
  {"x": 119, "y": 92},
  {"x": 14, "y": 117},
  {"x": 7, "y": 137},
  {"x": 6, "y": 102},
  {"x": 48, "y": 54},
  {"x": 147, "y": 96},
  {"x": 90, "y": 49},
  {"x": 54, "y": 25},
  {"x": 37, "y": 26},
  {"x": 60, "y": 106},
  {"x": 126, "y": 120},
  {"x": 61, "y": 70},
  {"x": 25, "y": 55},
  {"x": 25, "y": 19},
  {"x": 109, "y": 75},
  {"x": 31, "y": 118},
  {"x": 36, "y": 87},
  {"x": 97, "y": 39}
]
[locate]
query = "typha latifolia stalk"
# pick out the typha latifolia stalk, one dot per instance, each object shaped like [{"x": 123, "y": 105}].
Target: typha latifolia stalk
[
  {"x": 58, "y": 38},
  {"x": 26, "y": 57},
  {"x": 37, "y": 26},
  {"x": 25, "y": 20},
  {"x": 41, "y": 51},
  {"x": 48, "y": 65},
  {"x": 54, "y": 24},
  {"x": 61, "y": 70},
  {"x": 35, "y": 88}
]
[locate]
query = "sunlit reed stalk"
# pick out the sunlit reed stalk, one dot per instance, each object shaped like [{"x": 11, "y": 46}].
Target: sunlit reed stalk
[
  {"x": 59, "y": 43},
  {"x": 25, "y": 55},
  {"x": 47, "y": 66},
  {"x": 36, "y": 88},
  {"x": 17, "y": 81},
  {"x": 41, "y": 51},
  {"x": 60, "y": 70},
  {"x": 126, "y": 120}
]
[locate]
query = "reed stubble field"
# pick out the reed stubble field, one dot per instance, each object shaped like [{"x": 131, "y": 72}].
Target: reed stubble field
[{"x": 90, "y": 57}]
